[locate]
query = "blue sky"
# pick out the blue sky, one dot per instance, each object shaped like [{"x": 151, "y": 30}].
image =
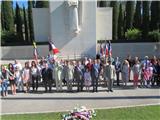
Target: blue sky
[{"x": 20, "y": 3}]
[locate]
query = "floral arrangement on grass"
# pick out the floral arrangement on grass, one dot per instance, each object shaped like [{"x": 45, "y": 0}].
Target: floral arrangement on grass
[{"x": 79, "y": 113}]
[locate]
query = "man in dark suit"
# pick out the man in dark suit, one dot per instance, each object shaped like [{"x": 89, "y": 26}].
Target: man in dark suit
[
  {"x": 95, "y": 75},
  {"x": 47, "y": 77},
  {"x": 117, "y": 65},
  {"x": 78, "y": 76}
]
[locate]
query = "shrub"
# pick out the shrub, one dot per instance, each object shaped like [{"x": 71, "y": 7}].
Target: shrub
[
  {"x": 133, "y": 34},
  {"x": 154, "y": 35}
]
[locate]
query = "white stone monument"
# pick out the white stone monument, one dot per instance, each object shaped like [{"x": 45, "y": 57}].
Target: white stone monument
[{"x": 72, "y": 26}]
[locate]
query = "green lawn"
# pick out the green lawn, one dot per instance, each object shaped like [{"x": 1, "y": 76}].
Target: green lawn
[{"x": 132, "y": 113}]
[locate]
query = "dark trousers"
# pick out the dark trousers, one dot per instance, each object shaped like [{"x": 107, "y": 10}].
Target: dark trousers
[
  {"x": 79, "y": 85},
  {"x": 47, "y": 83},
  {"x": 95, "y": 83},
  {"x": 34, "y": 82},
  {"x": 158, "y": 80},
  {"x": 117, "y": 74}
]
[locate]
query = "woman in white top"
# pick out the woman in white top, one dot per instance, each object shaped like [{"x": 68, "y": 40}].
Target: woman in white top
[
  {"x": 125, "y": 72},
  {"x": 34, "y": 75},
  {"x": 26, "y": 75},
  {"x": 87, "y": 79}
]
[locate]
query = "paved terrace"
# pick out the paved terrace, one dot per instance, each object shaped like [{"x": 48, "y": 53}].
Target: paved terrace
[{"x": 54, "y": 102}]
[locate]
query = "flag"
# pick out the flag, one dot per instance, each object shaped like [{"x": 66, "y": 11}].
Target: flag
[
  {"x": 53, "y": 48},
  {"x": 108, "y": 49},
  {"x": 101, "y": 50},
  {"x": 35, "y": 52}
]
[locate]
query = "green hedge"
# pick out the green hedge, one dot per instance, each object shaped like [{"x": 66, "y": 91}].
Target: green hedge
[{"x": 133, "y": 34}]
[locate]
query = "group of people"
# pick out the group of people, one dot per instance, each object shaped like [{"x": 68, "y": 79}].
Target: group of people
[{"x": 80, "y": 73}]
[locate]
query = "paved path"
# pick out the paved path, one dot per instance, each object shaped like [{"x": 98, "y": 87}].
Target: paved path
[{"x": 51, "y": 102}]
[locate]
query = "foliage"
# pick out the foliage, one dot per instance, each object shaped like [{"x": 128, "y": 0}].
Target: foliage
[
  {"x": 155, "y": 16},
  {"x": 145, "y": 24},
  {"x": 25, "y": 24},
  {"x": 155, "y": 35},
  {"x": 7, "y": 20},
  {"x": 42, "y": 4},
  {"x": 30, "y": 20},
  {"x": 8, "y": 37},
  {"x": 129, "y": 14},
  {"x": 120, "y": 23},
  {"x": 18, "y": 22},
  {"x": 138, "y": 16},
  {"x": 133, "y": 34},
  {"x": 115, "y": 6}
]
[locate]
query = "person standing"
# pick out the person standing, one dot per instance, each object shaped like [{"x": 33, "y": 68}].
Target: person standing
[
  {"x": 110, "y": 74},
  {"x": 26, "y": 76},
  {"x": 4, "y": 81},
  {"x": 158, "y": 73},
  {"x": 95, "y": 74},
  {"x": 130, "y": 61},
  {"x": 125, "y": 72},
  {"x": 117, "y": 64},
  {"x": 12, "y": 78},
  {"x": 69, "y": 75},
  {"x": 57, "y": 74},
  {"x": 35, "y": 73},
  {"x": 78, "y": 76},
  {"x": 47, "y": 77},
  {"x": 142, "y": 80},
  {"x": 18, "y": 77},
  {"x": 136, "y": 73},
  {"x": 87, "y": 79}
]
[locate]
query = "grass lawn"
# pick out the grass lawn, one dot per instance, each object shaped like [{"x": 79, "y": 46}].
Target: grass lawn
[{"x": 132, "y": 113}]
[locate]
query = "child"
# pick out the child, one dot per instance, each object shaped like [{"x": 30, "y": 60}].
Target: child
[
  {"x": 146, "y": 76},
  {"x": 87, "y": 79}
]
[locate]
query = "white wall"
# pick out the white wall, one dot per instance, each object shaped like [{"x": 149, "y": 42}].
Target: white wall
[
  {"x": 118, "y": 49},
  {"x": 41, "y": 24},
  {"x": 104, "y": 23},
  {"x": 69, "y": 44}
]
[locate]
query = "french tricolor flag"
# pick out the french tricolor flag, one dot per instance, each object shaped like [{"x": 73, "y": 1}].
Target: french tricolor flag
[
  {"x": 101, "y": 50},
  {"x": 108, "y": 49},
  {"x": 53, "y": 48}
]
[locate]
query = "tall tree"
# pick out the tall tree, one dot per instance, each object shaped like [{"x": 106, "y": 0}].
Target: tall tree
[
  {"x": 102, "y": 3},
  {"x": 138, "y": 16},
  {"x": 18, "y": 21},
  {"x": 120, "y": 23},
  {"x": 34, "y": 3},
  {"x": 30, "y": 19},
  {"x": 7, "y": 20},
  {"x": 155, "y": 15},
  {"x": 129, "y": 14},
  {"x": 145, "y": 24},
  {"x": 42, "y": 4},
  {"x": 115, "y": 6},
  {"x": 25, "y": 24}
]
